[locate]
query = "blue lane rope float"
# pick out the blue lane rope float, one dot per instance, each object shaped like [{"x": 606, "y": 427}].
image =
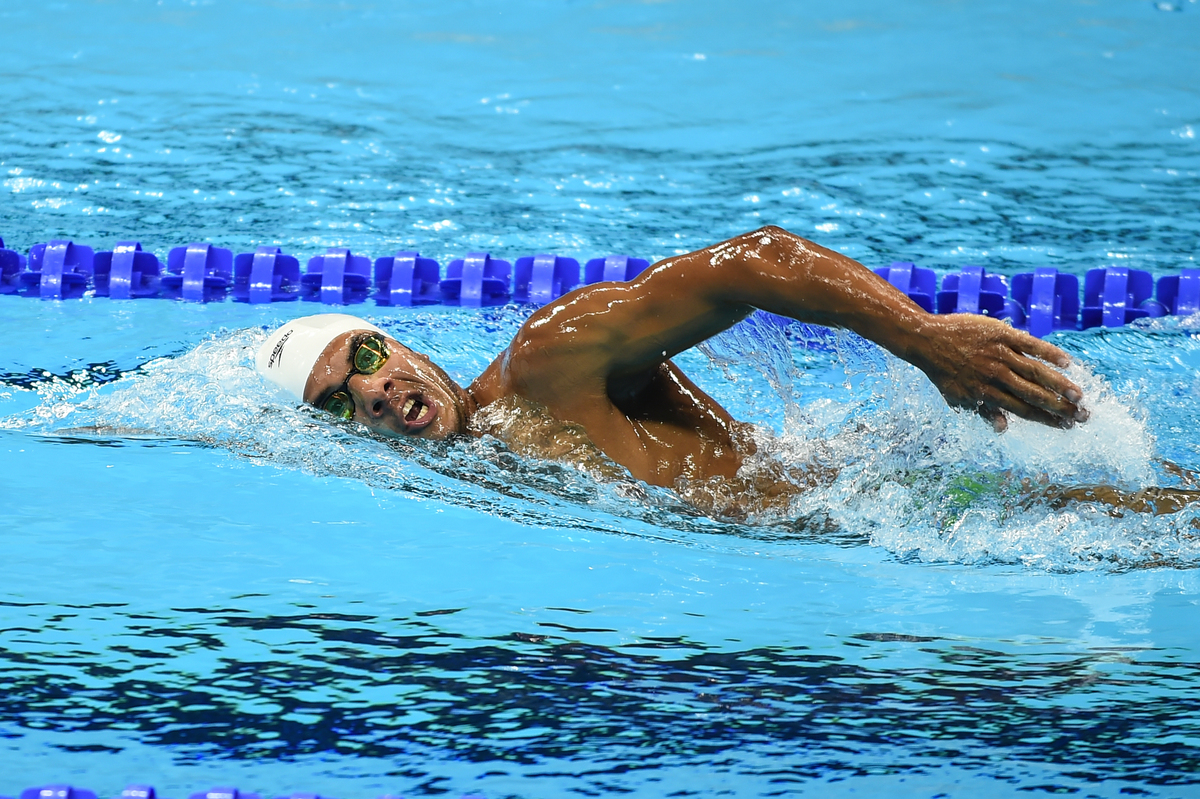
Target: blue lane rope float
[
  {"x": 337, "y": 278},
  {"x": 56, "y": 792},
  {"x": 1180, "y": 294},
  {"x": 407, "y": 279},
  {"x": 58, "y": 270},
  {"x": 540, "y": 279},
  {"x": 126, "y": 272},
  {"x": 1048, "y": 301},
  {"x": 1043, "y": 301},
  {"x": 972, "y": 290},
  {"x": 198, "y": 272},
  {"x": 477, "y": 280},
  {"x": 12, "y": 264},
  {"x": 64, "y": 791},
  {"x": 919, "y": 284},
  {"x": 1117, "y": 296},
  {"x": 266, "y": 275},
  {"x": 613, "y": 268}
]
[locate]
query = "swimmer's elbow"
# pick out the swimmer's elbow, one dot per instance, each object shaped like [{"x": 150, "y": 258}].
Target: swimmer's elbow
[
  {"x": 772, "y": 231},
  {"x": 774, "y": 234}
]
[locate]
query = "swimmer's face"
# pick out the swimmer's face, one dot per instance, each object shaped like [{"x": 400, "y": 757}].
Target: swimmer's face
[{"x": 409, "y": 395}]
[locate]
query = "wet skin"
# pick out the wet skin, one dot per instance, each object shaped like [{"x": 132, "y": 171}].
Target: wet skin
[
  {"x": 600, "y": 356},
  {"x": 409, "y": 396}
]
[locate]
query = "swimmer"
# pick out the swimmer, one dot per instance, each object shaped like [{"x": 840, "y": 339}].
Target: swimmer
[{"x": 598, "y": 360}]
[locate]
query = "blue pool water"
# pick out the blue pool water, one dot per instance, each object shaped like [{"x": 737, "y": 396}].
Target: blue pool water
[{"x": 202, "y": 584}]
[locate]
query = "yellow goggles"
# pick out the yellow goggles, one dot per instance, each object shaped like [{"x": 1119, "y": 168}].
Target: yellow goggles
[{"x": 369, "y": 356}]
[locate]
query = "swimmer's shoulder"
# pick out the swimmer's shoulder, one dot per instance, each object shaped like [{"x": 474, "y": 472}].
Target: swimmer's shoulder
[{"x": 570, "y": 339}]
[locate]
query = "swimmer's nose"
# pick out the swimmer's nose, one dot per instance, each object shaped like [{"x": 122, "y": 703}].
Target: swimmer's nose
[{"x": 378, "y": 399}]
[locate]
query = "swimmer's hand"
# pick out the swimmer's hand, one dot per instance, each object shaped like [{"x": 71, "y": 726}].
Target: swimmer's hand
[{"x": 984, "y": 365}]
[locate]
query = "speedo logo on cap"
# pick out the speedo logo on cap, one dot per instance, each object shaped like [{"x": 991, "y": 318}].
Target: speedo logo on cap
[{"x": 277, "y": 351}]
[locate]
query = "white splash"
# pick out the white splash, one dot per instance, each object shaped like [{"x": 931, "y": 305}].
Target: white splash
[{"x": 912, "y": 476}]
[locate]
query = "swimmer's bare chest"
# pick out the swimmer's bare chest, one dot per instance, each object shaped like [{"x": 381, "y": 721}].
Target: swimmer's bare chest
[{"x": 658, "y": 424}]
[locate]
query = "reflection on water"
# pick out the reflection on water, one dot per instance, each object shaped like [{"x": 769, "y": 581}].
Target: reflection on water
[{"x": 229, "y": 683}]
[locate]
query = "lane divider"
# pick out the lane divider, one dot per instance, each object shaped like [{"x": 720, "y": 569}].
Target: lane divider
[
  {"x": 203, "y": 272},
  {"x": 1046, "y": 301},
  {"x": 1043, "y": 301}
]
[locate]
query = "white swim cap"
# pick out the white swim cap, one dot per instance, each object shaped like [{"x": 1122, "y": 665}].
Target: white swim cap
[{"x": 288, "y": 356}]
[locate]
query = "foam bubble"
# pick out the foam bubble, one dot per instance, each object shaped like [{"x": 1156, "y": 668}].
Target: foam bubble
[{"x": 893, "y": 465}]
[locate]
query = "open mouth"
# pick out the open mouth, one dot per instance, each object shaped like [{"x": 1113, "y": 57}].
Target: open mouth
[{"x": 417, "y": 413}]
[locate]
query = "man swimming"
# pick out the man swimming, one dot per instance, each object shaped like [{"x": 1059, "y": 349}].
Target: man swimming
[{"x": 599, "y": 358}]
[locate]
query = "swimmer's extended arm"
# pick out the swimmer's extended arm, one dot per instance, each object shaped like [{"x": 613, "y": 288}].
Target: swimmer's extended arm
[{"x": 976, "y": 362}]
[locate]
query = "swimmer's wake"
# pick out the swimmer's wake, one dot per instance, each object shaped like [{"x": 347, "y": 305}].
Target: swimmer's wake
[{"x": 922, "y": 481}]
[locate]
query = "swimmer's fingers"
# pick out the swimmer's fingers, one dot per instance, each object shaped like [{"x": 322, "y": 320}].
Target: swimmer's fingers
[
  {"x": 1035, "y": 347},
  {"x": 996, "y": 402},
  {"x": 1045, "y": 388},
  {"x": 997, "y": 418},
  {"x": 1043, "y": 375}
]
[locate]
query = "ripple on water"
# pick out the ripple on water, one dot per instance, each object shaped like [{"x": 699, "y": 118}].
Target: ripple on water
[{"x": 912, "y": 476}]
